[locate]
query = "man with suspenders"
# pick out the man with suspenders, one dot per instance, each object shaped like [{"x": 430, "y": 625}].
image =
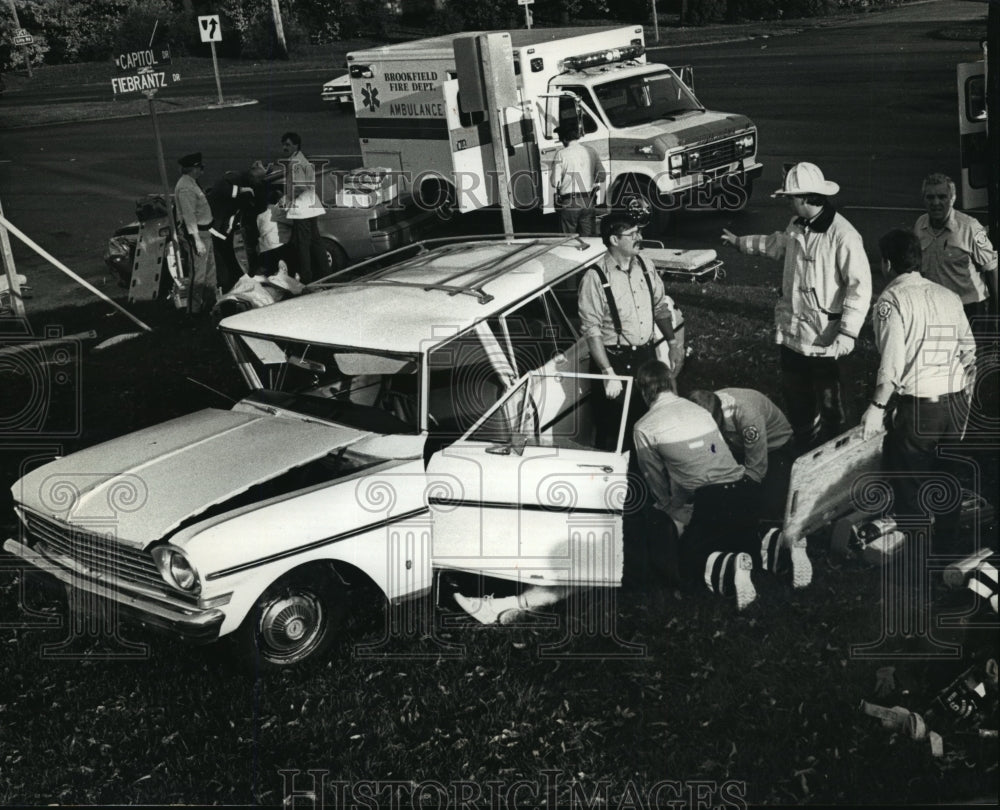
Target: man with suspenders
[{"x": 620, "y": 301}]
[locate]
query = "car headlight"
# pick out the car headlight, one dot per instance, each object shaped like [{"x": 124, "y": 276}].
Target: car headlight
[{"x": 176, "y": 569}]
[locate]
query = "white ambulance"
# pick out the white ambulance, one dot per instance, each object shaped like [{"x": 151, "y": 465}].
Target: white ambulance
[{"x": 417, "y": 114}]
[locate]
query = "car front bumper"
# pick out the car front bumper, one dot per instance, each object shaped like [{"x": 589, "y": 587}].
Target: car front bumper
[{"x": 176, "y": 618}]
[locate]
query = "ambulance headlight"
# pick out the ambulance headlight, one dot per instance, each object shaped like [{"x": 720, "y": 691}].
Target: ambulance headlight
[
  {"x": 675, "y": 165},
  {"x": 747, "y": 144}
]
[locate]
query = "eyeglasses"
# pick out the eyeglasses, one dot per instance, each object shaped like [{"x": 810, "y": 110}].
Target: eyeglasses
[{"x": 636, "y": 234}]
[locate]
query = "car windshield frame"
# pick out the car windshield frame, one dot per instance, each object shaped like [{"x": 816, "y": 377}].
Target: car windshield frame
[
  {"x": 644, "y": 98},
  {"x": 362, "y": 388}
]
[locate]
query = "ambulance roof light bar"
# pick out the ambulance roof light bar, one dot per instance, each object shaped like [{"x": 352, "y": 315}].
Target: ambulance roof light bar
[{"x": 605, "y": 57}]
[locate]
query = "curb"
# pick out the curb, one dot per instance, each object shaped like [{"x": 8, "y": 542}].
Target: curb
[{"x": 161, "y": 110}]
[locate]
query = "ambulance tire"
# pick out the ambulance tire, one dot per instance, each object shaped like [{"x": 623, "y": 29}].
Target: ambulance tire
[
  {"x": 640, "y": 199},
  {"x": 334, "y": 257},
  {"x": 437, "y": 196}
]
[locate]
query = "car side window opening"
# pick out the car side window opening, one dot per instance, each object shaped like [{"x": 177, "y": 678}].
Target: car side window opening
[
  {"x": 466, "y": 376},
  {"x": 538, "y": 331}
]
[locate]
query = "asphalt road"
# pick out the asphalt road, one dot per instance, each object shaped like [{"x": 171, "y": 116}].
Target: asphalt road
[{"x": 872, "y": 101}]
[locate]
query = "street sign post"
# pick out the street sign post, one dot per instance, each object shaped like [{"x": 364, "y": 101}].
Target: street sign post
[
  {"x": 211, "y": 31},
  {"x": 527, "y": 11},
  {"x": 22, "y": 37},
  {"x": 146, "y": 71}
]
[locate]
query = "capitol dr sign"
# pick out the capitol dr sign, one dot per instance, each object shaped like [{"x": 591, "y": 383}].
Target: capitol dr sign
[{"x": 145, "y": 71}]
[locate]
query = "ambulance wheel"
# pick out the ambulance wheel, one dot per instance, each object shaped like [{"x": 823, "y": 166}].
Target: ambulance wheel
[
  {"x": 438, "y": 196},
  {"x": 334, "y": 257},
  {"x": 640, "y": 199}
]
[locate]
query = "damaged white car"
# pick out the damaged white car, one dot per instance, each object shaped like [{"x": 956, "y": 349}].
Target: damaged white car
[{"x": 429, "y": 416}]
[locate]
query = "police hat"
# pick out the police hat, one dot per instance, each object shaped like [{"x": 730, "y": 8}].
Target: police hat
[{"x": 190, "y": 161}]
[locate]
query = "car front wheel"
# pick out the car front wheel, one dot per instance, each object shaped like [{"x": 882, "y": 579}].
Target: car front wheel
[{"x": 295, "y": 620}]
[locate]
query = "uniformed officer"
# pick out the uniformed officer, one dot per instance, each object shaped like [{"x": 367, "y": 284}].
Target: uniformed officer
[
  {"x": 927, "y": 366},
  {"x": 825, "y": 292},
  {"x": 576, "y": 177},
  {"x": 620, "y": 301},
  {"x": 957, "y": 253},
  {"x": 195, "y": 222},
  {"x": 759, "y": 435}
]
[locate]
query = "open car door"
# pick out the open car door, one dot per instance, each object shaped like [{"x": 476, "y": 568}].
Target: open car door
[{"x": 509, "y": 501}]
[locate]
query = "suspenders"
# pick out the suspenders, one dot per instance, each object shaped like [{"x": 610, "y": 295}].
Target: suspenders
[{"x": 613, "y": 307}]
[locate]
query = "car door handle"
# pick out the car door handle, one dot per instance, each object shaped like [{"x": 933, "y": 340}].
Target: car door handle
[{"x": 604, "y": 468}]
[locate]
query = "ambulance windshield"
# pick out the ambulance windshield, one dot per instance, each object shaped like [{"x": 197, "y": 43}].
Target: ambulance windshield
[{"x": 644, "y": 99}]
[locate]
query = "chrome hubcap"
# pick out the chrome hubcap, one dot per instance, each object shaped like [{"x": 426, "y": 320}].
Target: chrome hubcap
[{"x": 291, "y": 625}]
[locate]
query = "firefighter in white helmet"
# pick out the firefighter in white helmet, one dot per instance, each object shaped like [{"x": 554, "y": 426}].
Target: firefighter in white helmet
[{"x": 825, "y": 292}]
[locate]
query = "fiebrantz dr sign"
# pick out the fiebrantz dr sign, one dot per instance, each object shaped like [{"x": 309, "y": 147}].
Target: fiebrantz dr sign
[{"x": 146, "y": 71}]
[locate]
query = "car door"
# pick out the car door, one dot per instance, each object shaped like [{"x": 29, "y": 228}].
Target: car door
[{"x": 509, "y": 501}]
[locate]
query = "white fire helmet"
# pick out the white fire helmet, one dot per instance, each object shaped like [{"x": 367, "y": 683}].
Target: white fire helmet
[{"x": 806, "y": 178}]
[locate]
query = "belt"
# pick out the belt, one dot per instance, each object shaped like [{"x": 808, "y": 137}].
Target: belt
[
  {"x": 205, "y": 227},
  {"x": 730, "y": 485},
  {"x": 627, "y": 347},
  {"x": 935, "y": 398}
]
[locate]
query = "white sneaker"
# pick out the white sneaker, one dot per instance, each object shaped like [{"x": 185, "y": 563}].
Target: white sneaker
[
  {"x": 487, "y": 610},
  {"x": 802, "y": 570},
  {"x": 742, "y": 584}
]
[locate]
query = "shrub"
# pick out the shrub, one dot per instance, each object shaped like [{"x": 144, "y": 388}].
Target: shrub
[
  {"x": 142, "y": 18},
  {"x": 74, "y": 30},
  {"x": 704, "y": 12}
]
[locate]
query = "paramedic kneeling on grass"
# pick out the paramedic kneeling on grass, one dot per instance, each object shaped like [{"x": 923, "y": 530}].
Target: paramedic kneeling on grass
[{"x": 693, "y": 478}]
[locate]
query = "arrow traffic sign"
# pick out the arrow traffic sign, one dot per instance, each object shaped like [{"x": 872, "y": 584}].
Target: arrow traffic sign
[{"x": 210, "y": 28}]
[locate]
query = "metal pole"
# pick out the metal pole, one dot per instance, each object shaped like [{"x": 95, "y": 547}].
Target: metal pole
[
  {"x": 162, "y": 163},
  {"x": 993, "y": 108},
  {"x": 17, "y": 25},
  {"x": 215, "y": 67},
  {"x": 7, "y": 257},
  {"x": 656, "y": 23},
  {"x": 500, "y": 160},
  {"x": 527, "y": 16},
  {"x": 6, "y": 223}
]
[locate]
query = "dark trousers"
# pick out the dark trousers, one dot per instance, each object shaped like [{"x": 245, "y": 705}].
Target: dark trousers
[
  {"x": 813, "y": 398},
  {"x": 608, "y": 412},
  {"x": 307, "y": 249},
  {"x": 227, "y": 267},
  {"x": 914, "y": 429},
  {"x": 774, "y": 487},
  {"x": 725, "y": 519},
  {"x": 577, "y": 214}
]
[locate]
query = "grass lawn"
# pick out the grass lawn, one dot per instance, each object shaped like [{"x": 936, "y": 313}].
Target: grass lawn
[{"x": 631, "y": 698}]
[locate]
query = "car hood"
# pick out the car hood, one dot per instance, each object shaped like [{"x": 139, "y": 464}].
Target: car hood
[{"x": 142, "y": 486}]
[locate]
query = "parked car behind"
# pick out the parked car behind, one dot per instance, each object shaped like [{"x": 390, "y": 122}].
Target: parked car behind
[{"x": 338, "y": 91}]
